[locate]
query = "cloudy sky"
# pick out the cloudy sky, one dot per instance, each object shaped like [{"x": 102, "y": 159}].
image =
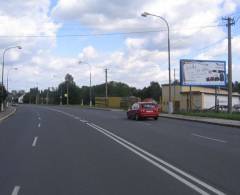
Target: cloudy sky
[{"x": 56, "y": 35}]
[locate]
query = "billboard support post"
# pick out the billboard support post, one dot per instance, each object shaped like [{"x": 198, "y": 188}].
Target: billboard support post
[
  {"x": 216, "y": 104},
  {"x": 190, "y": 98}
]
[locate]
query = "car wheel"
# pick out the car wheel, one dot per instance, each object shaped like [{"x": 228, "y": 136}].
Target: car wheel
[{"x": 155, "y": 118}]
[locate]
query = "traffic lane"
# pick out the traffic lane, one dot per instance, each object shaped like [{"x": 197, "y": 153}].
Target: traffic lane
[
  {"x": 175, "y": 145},
  {"x": 16, "y": 136},
  {"x": 212, "y": 162},
  {"x": 228, "y": 135},
  {"x": 72, "y": 158}
]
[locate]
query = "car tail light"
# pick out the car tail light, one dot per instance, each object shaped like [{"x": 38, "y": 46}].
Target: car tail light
[{"x": 143, "y": 110}]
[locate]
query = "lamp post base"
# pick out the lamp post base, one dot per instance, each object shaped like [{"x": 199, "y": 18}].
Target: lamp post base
[{"x": 170, "y": 107}]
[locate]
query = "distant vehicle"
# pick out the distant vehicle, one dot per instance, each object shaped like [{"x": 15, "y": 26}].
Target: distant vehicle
[
  {"x": 236, "y": 108},
  {"x": 141, "y": 110},
  {"x": 221, "y": 108}
]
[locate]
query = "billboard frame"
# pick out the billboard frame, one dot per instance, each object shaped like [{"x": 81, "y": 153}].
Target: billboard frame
[{"x": 210, "y": 85}]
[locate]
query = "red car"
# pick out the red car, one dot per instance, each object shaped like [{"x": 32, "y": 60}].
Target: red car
[{"x": 141, "y": 110}]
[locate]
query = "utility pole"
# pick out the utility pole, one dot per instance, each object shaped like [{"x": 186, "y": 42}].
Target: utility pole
[
  {"x": 61, "y": 96},
  {"x": 90, "y": 91},
  {"x": 37, "y": 94},
  {"x": 230, "y": 22},
  {"x": 67, "y": 94},
  {"x": 106, "y": 88},
  {"x": 47, "y": 95},
  {"x": 174, "y": 85}
]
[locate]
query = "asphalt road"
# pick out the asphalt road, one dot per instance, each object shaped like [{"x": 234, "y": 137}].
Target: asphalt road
[{"x": 71, "y": 151}]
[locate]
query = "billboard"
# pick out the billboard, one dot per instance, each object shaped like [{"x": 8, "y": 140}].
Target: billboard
[{"x": 202, "y": 72}]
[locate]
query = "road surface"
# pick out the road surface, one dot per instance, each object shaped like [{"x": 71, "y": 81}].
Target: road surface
[{"x": 71, "y": 151}]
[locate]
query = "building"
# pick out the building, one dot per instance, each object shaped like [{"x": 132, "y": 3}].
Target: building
[
  {"x": 116, "y": 102},
  {"x": 198, "y": 98}
]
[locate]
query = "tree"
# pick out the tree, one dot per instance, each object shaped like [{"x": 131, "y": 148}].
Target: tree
[
  {"x": 74, "y": 92},
  {"x": 69, "y": 78}
]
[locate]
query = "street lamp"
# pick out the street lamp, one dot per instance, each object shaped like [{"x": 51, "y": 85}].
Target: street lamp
[
  {"x": 90, "y": 81},
  {"x": 8, "y": 75},
  {"x": 170, "y": 105},
  {"x": 4, "y": 51},
  {"x": 7, "y": 81}
]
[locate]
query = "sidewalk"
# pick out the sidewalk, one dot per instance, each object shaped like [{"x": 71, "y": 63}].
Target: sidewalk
[
  {"x": 8, "y": 112},
  {"x": 216, "y": 121}
]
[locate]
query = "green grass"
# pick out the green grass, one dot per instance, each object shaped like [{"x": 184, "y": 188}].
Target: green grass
[{"x": 222, "y": 115}]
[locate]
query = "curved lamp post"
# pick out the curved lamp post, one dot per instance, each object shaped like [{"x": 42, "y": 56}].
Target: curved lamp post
[
  {"x": 3, "y": 57},
  {"x": 8, "y": 74},
  {"x": 90, "y": 81},
  {"x": 170, "y": 105}
]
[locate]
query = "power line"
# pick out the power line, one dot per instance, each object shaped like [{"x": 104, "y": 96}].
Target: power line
[
  {"x": 211, "y": 45},
  {"x": 103, "y": 34}
]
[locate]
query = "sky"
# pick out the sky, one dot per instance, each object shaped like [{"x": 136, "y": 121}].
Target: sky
[{"x": 55, "y": 35}]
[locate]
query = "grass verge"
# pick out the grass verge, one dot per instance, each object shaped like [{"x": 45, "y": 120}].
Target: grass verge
[{"x": 222, "y": 115}]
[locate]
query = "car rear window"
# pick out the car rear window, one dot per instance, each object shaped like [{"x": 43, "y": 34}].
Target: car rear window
[{"x": 149, "y": 106}]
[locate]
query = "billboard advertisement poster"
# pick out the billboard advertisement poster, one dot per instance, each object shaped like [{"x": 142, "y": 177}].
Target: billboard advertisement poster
[{"x": 202, "y": 73}]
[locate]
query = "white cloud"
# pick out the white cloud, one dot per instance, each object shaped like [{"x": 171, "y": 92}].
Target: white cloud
[{"x": 143, "y": 57}]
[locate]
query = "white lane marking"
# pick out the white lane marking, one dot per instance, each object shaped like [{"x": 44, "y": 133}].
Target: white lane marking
[
  {"x": 209, "y": 138},
  {"x": 39, "y": 125},
  {"x": 15, "y": 191},
  {"x": 34, "y": 141},
  {"x": 83, "y": 121},
  {"x": 159, "y": 160},
  {"x": 150, "y": 158},
  {"x": 76, "y": 117},
  {"x": 39, "y": 118},
  {"x": 171, "y": 173}
]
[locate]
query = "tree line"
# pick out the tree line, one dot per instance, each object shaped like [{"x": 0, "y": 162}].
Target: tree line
[{"x": 81, "y": 95}]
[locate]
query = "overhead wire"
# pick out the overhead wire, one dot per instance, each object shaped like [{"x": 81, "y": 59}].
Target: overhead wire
[{"x": 104, "y": 34}]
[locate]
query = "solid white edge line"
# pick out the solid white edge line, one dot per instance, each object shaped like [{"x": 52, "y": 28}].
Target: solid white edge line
[
  {"x": 15, "y": 190},
  {"x": 165, "y": 163},
  {"x": 169, "y": 172},
  {"x": 209, "y": 138},
  {"x": 34, "y": 141}
]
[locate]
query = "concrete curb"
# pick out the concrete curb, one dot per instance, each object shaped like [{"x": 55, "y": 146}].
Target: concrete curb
[
  {"x": 201, "y": 121},
  {"x": 8, "y": 115}
]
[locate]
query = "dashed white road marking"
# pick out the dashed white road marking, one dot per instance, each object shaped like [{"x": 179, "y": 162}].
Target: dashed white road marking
[
  {"x": 209, "y": 138},
  {"x": 39, "y": 125},
  {"x": 34, "y": 141},
  {"x": 76, "y": 117},
  {"x": 15, "y": 191},
  {"x": 39, "y": 118}
]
